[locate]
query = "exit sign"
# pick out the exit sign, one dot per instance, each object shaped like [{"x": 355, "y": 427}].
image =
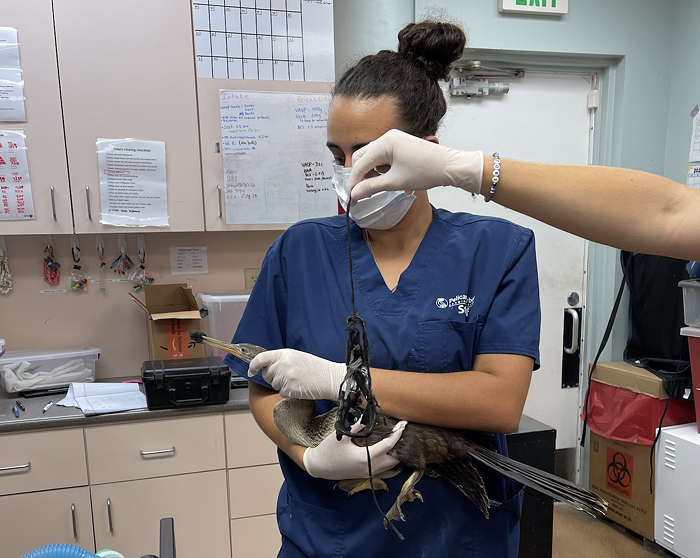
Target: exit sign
[{"x": 534, "y": 7}]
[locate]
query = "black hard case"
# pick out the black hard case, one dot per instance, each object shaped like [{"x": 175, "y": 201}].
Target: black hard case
[{"x": 185, "y": 382}]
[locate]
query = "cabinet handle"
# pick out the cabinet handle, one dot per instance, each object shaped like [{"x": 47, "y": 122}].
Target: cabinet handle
[
  {"x": 53, "y": 203},
  {"x": 171, "y": 450},
  {"x": 15, "y": 467},
  {"x": 218, "y": 189},
  {"x": 87, "y": 195},
  {"x": 75, "y": 528},
  {"x": 109, "y": 515}
]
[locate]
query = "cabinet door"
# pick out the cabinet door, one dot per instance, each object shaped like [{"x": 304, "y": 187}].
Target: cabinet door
[
  {"x": 246, "y": 444},
  {"x": 127, "y": 71},
  {"x": 254, "y": 490},
  {"x": 196, "y": 502},
  {"x": 30, "y": 521},
  {"x": 46, "y": 151}
]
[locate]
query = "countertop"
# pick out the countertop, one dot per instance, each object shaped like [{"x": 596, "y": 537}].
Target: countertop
[{"x": 57, "y": 416}]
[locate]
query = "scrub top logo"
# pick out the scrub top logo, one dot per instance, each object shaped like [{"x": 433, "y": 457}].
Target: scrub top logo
[{"x": 463, "y": 303}]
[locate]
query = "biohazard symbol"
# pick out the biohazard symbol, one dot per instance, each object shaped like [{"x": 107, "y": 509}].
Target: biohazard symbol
[{"x": 618, "y": 473}]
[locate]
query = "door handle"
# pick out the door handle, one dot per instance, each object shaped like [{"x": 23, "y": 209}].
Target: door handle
[
  {"x": 87, "y": 196},
  {"x": 75, "y": 528},
  {"x": 218, "y": 190},
  {"x": 574, "y": 332},
  {"x": 109, "y": 515}
]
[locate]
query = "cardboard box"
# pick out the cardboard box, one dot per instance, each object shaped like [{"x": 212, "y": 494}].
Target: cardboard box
[
  {"x": 620, "y": 472},
  {"x": 626, "y": 403},
  {"x": 171, "y": 310}
]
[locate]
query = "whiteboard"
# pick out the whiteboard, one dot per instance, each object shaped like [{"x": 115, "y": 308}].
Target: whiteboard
[{"x": 277, "y": 168}]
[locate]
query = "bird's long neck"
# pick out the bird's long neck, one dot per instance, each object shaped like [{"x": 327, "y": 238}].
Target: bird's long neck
[{"x": 296, "y": 421}]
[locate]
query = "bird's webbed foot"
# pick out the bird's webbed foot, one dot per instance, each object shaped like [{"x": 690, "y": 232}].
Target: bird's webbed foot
[
  {"x": 352, "y": 486},
  {"x": 408, "y": 494}
]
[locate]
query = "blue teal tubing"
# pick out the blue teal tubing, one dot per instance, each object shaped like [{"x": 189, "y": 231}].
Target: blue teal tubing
[{"x": 60, "y": 551}]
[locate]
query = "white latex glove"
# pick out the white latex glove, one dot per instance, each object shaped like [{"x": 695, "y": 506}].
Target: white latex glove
[
  {"x": 416, "y": 164},
  {"x": 298, "y": 375},
  {"x": 339, "y": 460}
]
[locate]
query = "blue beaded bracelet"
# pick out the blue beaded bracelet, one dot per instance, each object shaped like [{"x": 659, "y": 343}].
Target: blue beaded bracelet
[{"x": 496, "y": 174}]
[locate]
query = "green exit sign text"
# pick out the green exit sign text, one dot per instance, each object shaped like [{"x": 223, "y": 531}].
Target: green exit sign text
[{"x": 534, "y": 7}]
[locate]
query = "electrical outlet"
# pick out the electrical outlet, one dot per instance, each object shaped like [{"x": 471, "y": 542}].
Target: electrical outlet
[{"x": 251, "y": 276}]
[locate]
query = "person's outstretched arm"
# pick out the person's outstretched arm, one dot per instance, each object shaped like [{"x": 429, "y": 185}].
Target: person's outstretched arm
[{"x": 627, "y": 209}]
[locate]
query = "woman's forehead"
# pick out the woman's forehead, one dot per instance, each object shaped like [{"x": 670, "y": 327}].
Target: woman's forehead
[{"x": 354, "y": 121}]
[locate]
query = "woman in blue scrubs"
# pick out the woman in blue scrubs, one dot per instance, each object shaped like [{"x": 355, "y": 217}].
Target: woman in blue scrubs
[{"x": 451, "y": 305}]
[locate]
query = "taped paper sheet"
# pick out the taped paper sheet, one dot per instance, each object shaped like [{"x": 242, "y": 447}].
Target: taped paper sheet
[
  {"x": 11, "y": 86},
  {"x": 133, "y": 189},
  {"x": 16, "y": 202}
]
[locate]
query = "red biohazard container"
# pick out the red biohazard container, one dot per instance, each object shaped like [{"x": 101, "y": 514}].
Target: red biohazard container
[{"x": 693, "y": 335}]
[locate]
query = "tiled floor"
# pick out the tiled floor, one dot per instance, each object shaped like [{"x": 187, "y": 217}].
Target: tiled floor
[{"x": 577, "y": 535}]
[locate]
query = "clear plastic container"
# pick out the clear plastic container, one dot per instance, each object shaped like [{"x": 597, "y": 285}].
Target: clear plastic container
[
  {"x": 691, "y": 301},
  {"x": 45, "y": 368},
  {"x": 221, "y": 312}
]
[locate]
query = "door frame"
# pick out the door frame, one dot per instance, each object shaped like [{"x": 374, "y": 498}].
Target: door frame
[{"x": 602, "y": 273}]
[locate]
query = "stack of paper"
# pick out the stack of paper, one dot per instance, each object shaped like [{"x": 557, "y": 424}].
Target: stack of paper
[{"x": 93, "y": 398}]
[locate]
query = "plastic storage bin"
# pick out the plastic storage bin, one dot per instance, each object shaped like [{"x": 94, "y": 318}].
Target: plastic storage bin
[
  {"x": 221, "y": 311},
  {"x": 691, "y": 301},
  {"x": 45, "y": 368},
  {"x": 693, "y": 335}
]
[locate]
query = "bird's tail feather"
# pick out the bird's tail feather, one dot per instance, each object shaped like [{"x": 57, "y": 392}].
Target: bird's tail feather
[
  {"x": 464, "y": 476},
  {"x": 556, "y": 487}
]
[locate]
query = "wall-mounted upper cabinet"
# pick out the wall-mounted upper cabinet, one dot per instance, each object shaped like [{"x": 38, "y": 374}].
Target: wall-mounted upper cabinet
[
  {"x": 43, "y": 129},
  {"x": 127, "y": 71}
]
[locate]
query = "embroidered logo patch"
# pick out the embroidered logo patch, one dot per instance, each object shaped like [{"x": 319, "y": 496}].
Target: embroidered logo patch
[{"x": 463, "y": 303}]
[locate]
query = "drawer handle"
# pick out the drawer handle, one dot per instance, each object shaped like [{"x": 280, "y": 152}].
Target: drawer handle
[
  {"x": 75, "y": 528},
  {"x": 144, "y": 453},
  {"x": 15, "y": 467},
  {"x": 109, "y": 515}
]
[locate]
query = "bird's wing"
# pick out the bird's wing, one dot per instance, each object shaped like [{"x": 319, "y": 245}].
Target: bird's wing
[{"x": 464, "y": 476}]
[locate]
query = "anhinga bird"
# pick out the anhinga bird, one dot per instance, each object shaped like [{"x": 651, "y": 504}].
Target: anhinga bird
[{"x": 424, "y": 449}]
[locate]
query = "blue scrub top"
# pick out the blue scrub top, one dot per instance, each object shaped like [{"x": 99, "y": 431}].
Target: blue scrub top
[{"x": 471, "y": 288}]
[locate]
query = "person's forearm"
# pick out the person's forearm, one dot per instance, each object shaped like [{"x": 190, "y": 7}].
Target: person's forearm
[
  {"x": 627, "y": 209},
  {"x": 261, "y": 401},
  {"x": 472, "y": 400}
]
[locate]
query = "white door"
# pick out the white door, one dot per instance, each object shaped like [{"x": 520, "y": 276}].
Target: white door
[{"x": 543, "y": 118}]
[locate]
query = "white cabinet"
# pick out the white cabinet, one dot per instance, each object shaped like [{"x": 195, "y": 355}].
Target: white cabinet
[
  {"x": 254, "y": 481},
  {"x": 44, "y": 498},
  {"x": 127, "y": 71},
  {"x": 677, "y": 490},
  {"x": 46, "y": 151},
  {"x": 216, "y": 475},
  {"x": 127, "y": 514},
  {"x": 36, "y": 519}
]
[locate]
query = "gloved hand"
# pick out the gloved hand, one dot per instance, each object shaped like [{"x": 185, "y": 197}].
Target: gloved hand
[
  {"x": 339, "y": 460},
  {"x": 299, "y": 375},
  {"x": 416, "y": 164}
]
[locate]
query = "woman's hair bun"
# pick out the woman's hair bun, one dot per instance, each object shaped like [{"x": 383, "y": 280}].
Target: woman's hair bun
[{"x": 434, "y": 44}]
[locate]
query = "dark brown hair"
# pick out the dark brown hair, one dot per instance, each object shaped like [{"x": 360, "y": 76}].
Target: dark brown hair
[{"x": 409, "y": 76}]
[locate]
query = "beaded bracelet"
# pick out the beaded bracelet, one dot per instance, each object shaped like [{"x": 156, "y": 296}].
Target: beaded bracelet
[{"x": 496, "y": 173}]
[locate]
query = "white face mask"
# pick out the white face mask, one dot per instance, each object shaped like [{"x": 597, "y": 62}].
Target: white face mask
[{"x": 380, "y": 211}]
